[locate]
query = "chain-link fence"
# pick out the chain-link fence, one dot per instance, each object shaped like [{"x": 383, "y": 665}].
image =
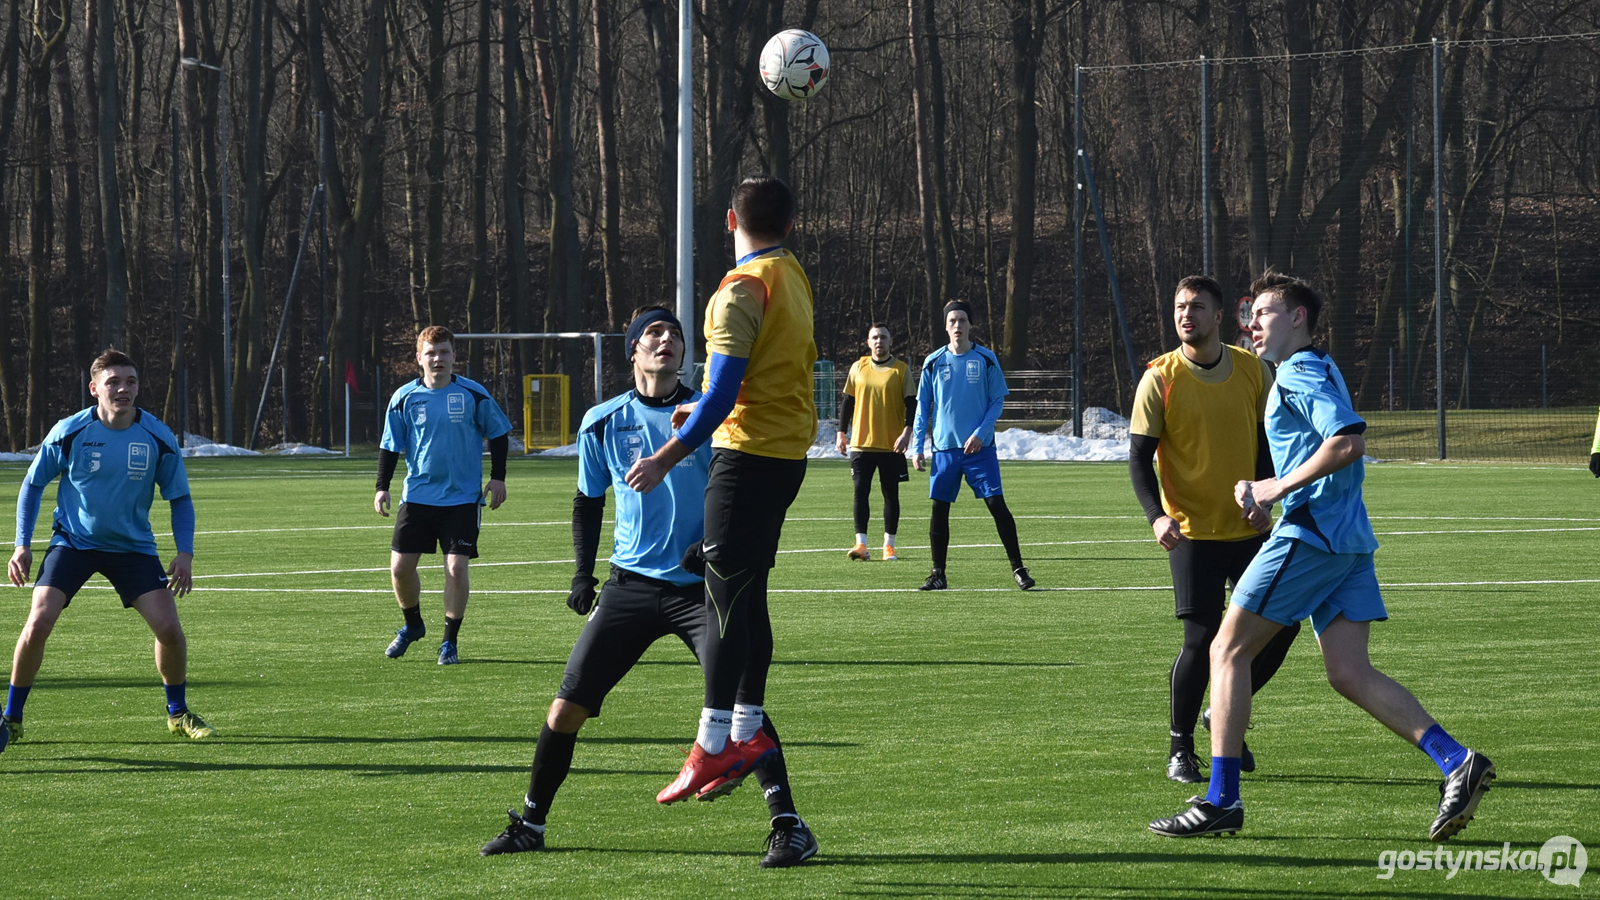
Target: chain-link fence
[{"x": 1442, "y": 196}]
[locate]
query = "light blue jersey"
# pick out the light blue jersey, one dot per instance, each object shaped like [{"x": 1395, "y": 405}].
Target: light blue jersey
[
  {"x": 653, "y": 530},
  {"x": 960, "y": 395},
  {"x": 1309, "y": 404},
  {"x": 441, "y": 434},
  {"x": 108, "y": 482}
]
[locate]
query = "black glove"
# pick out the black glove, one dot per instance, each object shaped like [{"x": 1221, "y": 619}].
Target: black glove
[
  {"x": 581, "y": 599},
  {"x": 1594, "y": 464},
  {"x": 694, "y": 560}
]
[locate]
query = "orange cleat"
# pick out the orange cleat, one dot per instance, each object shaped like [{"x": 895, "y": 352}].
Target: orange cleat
[
  {"x": 859, "y": 551},
  {"x": 889, "y": 555}
]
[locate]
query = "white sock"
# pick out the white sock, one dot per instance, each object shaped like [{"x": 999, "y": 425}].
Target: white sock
[
  {"x": 861, "y": 538},
  {"x": 888, "y": 540},
  {"x": 746, "y": 721},
  {"x": 714, "y": 727}
]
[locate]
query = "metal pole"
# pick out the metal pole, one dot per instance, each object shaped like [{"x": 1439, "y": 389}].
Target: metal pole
[
  {"x": 284, "y": 372},
  {"x": 686, "y": 180},
  {"x": 1438, "y": 238},
  {"x": 1205, "y": 166},
  {"x": 347, "y": 420},
  {"x": 599, "y": 384},
  {"x": 177, "y": 282},
  {"x": 1077, "y": 251},
  {"x": 322, "y": 279},
  {"x": 1544, "y": 376},
  {"x": 1391, "y": 378},
  {"x": 227, "y": 290},
  {"x": 283, "y": 324}
]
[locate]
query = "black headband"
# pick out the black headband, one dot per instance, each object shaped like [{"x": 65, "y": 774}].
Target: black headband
[
  {"x": 637, "y": 326},
  {"x": 954, "y": 305}
]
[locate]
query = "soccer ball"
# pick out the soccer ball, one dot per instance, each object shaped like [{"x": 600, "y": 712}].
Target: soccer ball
[{"x": 794, "y": 64}]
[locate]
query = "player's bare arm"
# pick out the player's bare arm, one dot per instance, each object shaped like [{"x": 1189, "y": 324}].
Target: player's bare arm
[
  {"x": 21, "y": 565},
  {"x": 1166, "y": 531},
  {"x": 652, "y": 470},
  {"x": 902, "y": 442},
  {"x": 1333, "y": 454}
]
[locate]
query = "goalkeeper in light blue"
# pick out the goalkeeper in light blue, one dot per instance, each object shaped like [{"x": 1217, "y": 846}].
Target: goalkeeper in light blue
[
  {"x": 1316, "y": 564},
  {"x": 110, "y": 458}
]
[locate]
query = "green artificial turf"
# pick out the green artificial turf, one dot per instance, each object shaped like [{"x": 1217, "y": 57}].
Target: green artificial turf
[{"x": 976, "y": 743}]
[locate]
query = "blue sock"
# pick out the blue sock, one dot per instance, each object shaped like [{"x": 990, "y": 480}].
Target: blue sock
[
  {"x": 175, "y": 702},
  {"x": 14, "y": 700},
  {"x": 1442, "y": 749},
  {"x": 1224, "y": 790}
]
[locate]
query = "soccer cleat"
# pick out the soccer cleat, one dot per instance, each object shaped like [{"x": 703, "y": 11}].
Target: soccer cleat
[
  {"x": 1184, "y": 768},
  {"x": 190, "y": 724},
  {"x": 859, "y": 551},
  {"x": 1200, "y": 819},
  {"x": 935, "y": 581},
  {"x": 519, "y": 837},
  {"x": 790, "y": 844},
  {"x": 1247, "y": 760},
  {"x": 402, "y": 639},
  {"x": 701, "y": 769},
  {"x": 889, "y": 555},
  {"x": 447, "y": 653},
  {"x": 756, "y": 751},
  {"x": 10, "y": 731},
  {"x": 1024, "y": 580},
  {"x": 1459, "y": 794}
]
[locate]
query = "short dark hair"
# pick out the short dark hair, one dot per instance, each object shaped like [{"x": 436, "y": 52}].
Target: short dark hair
[
  {"x": 648, "y": 307},
  {"x": 111, "y": 358},
  {"x": 1200, "y": 284},
  {"x": 883, "y": 325},
  {"x": 764, "y": 206},
  {"x": 1293, "y": 292}
]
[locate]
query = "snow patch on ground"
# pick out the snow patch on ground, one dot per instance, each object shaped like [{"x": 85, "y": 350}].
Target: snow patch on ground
[{"x": 1105, "y": 439}]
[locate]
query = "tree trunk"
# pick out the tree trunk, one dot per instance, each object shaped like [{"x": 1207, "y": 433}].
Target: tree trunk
[
  {"x": 664, "y": 46},
  {"x": 478, "y": 289},
  {"x": 249, "y": 358},
  {"x": 113, "y": 328},
  {"x": 50, "y": 26},
  {"x": 922, "y": 123},
  {"x": 1027, "y": 31},
  {"x": 1347, "y": 267},
  {"x": 605, "y": 69},
  {"x": 512, "y": 106},
  {"x": 433, "y": 170}
]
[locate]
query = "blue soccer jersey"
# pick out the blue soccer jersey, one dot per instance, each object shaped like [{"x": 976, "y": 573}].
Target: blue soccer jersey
[
  {"x": 653, "y": 530},
  {"x": 108, "y": 481},
  {"x": 1310, "y": 403},
  {"x": 960, "y": 395},
  {"x": 441, "y": 434}
]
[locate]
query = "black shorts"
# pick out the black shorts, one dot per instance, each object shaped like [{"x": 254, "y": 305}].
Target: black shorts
[
  {"x": 747, "y": 497},
  {"x": 132, "y": 574},
  {"x": 632, "y": 612},
  {"x": 1200, "y": 569},
  {"x": 889, "y": 465},
  {"x": 419, "y": 528}
]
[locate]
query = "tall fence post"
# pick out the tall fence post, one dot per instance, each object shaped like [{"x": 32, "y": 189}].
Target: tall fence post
[
  {"x": 1438, "y": 238},
  {"x": 1077, "y": 251},
  {"x": 1544, "y": 376},
  {"x": 1391, "y": 378},
  {"x": 1205, "y": 167}
]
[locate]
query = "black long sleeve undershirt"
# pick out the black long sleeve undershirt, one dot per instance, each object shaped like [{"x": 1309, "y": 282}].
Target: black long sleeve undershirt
[
  {"x": 586, "y": 515},
  {"x": 1142, "y": 470},
  {"x": 1263, "y": 454},
  {"x": 388, "y": 460},
  {"x": 847, "y": 413},
  {"x": 498, "y": 447}
]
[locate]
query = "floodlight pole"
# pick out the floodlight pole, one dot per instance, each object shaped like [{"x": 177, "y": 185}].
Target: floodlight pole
[
  {"x": 685, "y": 182},
  {"x": 227, "y": 294}
]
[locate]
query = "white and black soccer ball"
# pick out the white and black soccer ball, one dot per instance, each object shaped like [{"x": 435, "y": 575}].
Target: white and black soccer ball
[{"x": 794, "y": 64}]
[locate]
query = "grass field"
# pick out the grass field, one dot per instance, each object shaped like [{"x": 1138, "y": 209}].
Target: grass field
[{"x": 980, "y": 743}]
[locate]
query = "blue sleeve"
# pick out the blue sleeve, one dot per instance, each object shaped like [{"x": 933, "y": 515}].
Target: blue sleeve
[
  {"x": 28, "y": 500},
  {"x": 492, "y": 420},
  {"x": 593, "y": 477},
  {"x": 394, "y": 427},
  {"x": 725, "y": 374},
  {"x": 1324, "y": 405},
  {"x": 183, "y": 524},
  {"x": 919, "y": 432},
  {"x": 172, "y": 476},
  {"x": 991, "y": 416}
]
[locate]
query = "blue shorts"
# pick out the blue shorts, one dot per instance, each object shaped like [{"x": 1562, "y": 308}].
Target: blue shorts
[
  {"x": 132, "y": 574},
  {"x": 981, "y": 469},
  {"x": 1289, "y": 580}
]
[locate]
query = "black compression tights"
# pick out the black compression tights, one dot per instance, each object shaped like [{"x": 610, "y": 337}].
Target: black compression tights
[
  {"x": 1004, "y": 522},
  {"x": 1191, "y": 671},
  {"x": 891, "y": 503}
]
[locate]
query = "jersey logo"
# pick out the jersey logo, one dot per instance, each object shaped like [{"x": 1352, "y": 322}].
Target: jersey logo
[
  {"x": 138, "y": 457},
  {"x": 457, "y": 405},
  {"x": 94, "y": 460},
  {"x": 974, "y": 371},
  {"x": 422, "y": 415},
  {"x": 944, "y": 373},
  {"x": 633, "y": 448}
]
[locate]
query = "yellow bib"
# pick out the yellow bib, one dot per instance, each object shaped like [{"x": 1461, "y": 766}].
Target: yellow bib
[{"x": 1208, "y": 443}]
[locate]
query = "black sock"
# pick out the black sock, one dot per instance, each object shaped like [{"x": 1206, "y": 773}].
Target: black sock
[
  {"x": 1266, "y": 663},
  {"x": 774, "y": 778},
  {"x": 413, "y": 616},
  {"x": 1006, "y": 524},
  {"x": 452, "y": 627},
  {"x": 1191, "y": 671},
  {"x": 552, "y": 760},
  {"x": 939, "y": 533}
]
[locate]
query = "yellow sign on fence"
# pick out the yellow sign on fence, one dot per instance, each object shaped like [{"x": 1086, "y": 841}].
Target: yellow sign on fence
[{"x": 544, "y": 412}]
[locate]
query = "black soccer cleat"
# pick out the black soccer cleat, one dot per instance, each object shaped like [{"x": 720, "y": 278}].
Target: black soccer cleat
[
  {"x": 1459, "y": 794},
  {"x": 519, "y": 837},
  {"x": 1201, "y": 819},
  {"x": 790, "y": 844},
  {"x": 1184, "y": 768},
  {"x": 1247, "y": 760},
  {"x": 935, "y": 581},
  {"x": 1024, "y": 580}
]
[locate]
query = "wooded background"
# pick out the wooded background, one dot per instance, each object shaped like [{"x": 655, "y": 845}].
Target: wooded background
[{"x": 508, "y": 165}]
